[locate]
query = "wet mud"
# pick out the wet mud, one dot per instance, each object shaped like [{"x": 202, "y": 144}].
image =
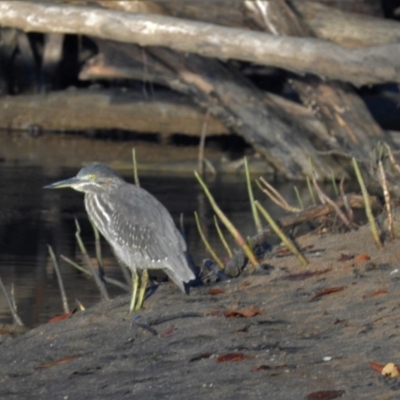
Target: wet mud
[{"x": 282, "y": 333}]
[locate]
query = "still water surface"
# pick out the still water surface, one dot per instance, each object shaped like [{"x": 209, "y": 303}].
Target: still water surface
[{"x": 31, "y": 218}]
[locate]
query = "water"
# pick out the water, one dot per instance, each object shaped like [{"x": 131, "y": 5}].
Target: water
[{"x": 31, "y": 218}]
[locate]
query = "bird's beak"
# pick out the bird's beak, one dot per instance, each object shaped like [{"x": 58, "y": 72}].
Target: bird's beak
[{"x": 63, "y": 184}]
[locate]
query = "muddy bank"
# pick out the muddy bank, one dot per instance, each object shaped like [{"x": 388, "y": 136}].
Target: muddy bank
[{"x": 170, "y": 349}]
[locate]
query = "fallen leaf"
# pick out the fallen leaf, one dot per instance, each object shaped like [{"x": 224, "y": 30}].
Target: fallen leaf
[
  {"x": 260, "y": 368},
  {"x": 362, "y": 257},
  {"x": 376, "y": 367},
  {"x": 346, "y": 257},
  {"x": 232, "y": 357},
  {"x": 245, "y": 312},
  {"x": 60, "y": 317},
  {"x": 214, "y": 291},
  {"x": 168, "y": 331},
  {"x": 352, "y": 326},
  {"x": 325, "y": 395},
  {"x": 244, "y": 285},
  {"x": 305, "y": 275},
  {"x": 283, "y": 252},
  {"x": 375, "y": 293},
  {"x": 58, "y": 362},
  {"x": 201, "y": 357},
  {"x": 390, "y": 370},
  {"x": 326, "y": 291}
]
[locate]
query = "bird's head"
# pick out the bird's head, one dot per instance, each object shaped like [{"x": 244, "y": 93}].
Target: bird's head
[{"x": 94, "y": 178}]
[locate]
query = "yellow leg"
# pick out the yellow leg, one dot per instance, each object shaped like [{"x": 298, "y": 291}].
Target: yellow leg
[
  {"x": 135, "y": 284},
  {"x": 143, "y": 285}
]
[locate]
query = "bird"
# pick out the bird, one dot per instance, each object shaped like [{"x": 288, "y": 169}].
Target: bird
[{"x": 138, "y": 227}]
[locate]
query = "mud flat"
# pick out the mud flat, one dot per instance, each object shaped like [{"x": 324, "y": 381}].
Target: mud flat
[{"x": 296, "y": 339}]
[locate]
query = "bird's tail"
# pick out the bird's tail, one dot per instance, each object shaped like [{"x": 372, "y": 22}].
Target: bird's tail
[{"x": 180, "y": 273}]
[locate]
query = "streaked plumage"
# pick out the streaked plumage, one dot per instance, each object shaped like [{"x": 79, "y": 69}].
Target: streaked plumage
[{"x": 137, "y": 226}]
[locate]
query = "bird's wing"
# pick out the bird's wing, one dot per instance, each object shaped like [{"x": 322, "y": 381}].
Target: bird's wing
[{"x": 141, "y": 224}]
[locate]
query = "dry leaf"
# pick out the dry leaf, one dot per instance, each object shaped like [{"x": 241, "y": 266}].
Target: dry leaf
[
  {"x": 390, "y": 370},
  {"x": 326, "y": 291},
  {"x": 375, "y": 293},
  {"x": 346, "y": 257},
  {"x": 168, "y": 331},
  {"x": 325, "y": 395},
  {"x": 376, "y": 367},
  {"x": 233, "y": 357},
  {"x": 305, "y": 275},
  {"x": 283, "y": 252},
  {"x": 244, "y": 285},
  {"x": 245, "y": 312},
  {"x": 214, "y": 291},
  {"x": 58, "y": 362},
  {"x": 260, "y": 368},
  {"x": 362, "y": 257},
  {"x": 60, "y": 317}
]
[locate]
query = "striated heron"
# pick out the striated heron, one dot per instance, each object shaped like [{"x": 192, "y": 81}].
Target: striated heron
[{"x": 138, "y": 227}]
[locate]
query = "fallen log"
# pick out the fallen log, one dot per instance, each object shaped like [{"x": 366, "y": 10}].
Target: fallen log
[
  {"x": 229, "y": 96},
  {"x": 346, "y": 117},
  {"x": 346, "y": 28},
  {"x": 246, "y": 110},
  {"x": 123, "y": 61},
  {"x": 327, "y": 60}
]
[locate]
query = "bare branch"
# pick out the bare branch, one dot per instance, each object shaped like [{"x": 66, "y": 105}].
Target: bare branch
[{"x": 315, "y": 56}]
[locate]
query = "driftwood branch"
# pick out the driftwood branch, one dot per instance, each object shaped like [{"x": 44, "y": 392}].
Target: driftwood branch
[
  {"x": 229, "y": 96},
  {"x": 342, "y": 27},
  {"x": 344, "y": 114},
  {"x": 316, "y": 212},
  {"x": 346, "y": 28},
  {"x": 360, "y": 67}
]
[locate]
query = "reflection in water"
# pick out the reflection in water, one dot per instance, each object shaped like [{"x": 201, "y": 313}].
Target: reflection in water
[{"x": 31, "y": 218}]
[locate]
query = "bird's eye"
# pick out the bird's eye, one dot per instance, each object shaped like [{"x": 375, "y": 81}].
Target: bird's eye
[{"x": 90, "y": 177}]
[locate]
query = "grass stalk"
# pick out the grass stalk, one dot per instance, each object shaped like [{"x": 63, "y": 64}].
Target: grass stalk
[
  {"x": 99, "y": 283},
  {"x": 310, "y": 190},
  {"x": 60, "y": 280},
  {"x": 17, "y": 320},
  {"x": 98, "y": 251},
  {"x": 256, "y": 217},
  {"x": 349, "y": 210},
  {"x": 388, "y": 203},
  {"x": 81, "y": 307},
  {"x": 300, "y": 201},
  {"x": 275, "y": 196},
  {"x": 325, "y": 199},
  {"x": 13, "y": 302},
  {"x": 228, "y": 224},
  {"x": 222, "y": 237},
  {"x": 111, "y": 281},
  {"x": 289, "y": 244},
  {"x": 368, "y": 210},
  {"x": 135, "y": 173},
  {"x": 200, "y": 166},
  {"x": 334, "y": 184},
  {"x": 391, "y": 158},
  {"x": 207, "y": 243}
]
